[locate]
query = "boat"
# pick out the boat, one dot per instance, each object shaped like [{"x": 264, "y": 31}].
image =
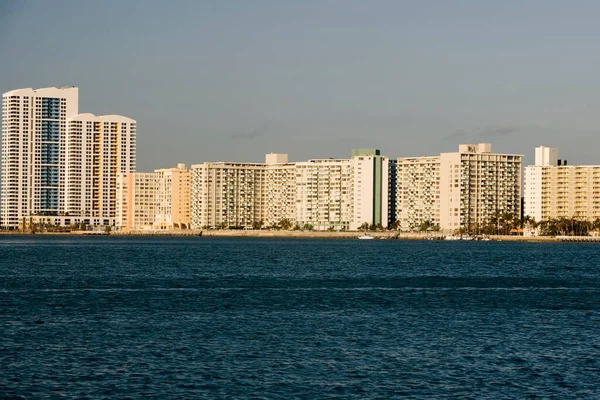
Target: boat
[
  {"x": 452, "y": 237},
  {"x": 366, "y": 236}
]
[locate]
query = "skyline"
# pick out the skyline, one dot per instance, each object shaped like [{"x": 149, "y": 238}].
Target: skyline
[{"x": 231, "y": 81}]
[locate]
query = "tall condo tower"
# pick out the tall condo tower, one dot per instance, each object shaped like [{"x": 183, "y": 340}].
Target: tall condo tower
[
  {"x": 98, "y": 148},
  {"x": 59, "y": 163},
  {"x": 34, "y": 127}
]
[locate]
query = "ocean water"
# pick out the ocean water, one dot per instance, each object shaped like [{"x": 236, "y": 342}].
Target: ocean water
[{"x": 104, "y": 317}]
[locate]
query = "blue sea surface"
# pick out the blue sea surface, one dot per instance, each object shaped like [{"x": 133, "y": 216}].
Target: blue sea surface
[{"x": 124, "y": 317}]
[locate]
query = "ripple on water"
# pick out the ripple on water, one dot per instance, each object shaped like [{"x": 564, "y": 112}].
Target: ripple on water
[{"x": 242, "y": 318}]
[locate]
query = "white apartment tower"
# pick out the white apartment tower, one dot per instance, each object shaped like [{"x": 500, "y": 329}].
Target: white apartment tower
[
  {"x": 417, "y": 191},
  {"x": 463, "y": 190},
  {"x": 57, "y": 162},
  {"x": 324, "y": 194},
  {"x": 477, "y": 185},
  {"x": 98, "y": 148},
  {"x": 226, "y": 194},
  {"x": 371, "y": 173},
  {"x": 554, "y": 189},
  {"x": 242, "y": 194},
  {"x": 544, "y": 157},
  {"x": 336, "y": 194},
  {"x": 34, "y": 128},
  {"x": 279, "y": 194}
]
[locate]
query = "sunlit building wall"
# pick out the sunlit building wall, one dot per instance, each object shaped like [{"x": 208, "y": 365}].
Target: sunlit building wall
[
  {"x": 34, "y": 128},
  {"x": 136, "y": 200},
  {"x": 173, "y": 191},
  {"x": 554, "y": 189}
]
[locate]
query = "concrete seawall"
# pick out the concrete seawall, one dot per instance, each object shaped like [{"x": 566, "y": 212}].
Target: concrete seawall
[
  {"x": 319, "y": 235},
  {"x": 303, "y": 234}
]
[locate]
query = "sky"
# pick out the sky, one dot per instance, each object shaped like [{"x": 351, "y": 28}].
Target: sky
[{"x": 232, "y": 80}]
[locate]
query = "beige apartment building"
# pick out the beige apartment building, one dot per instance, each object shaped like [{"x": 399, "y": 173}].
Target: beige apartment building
[
  {"x": 279, "y": 200},
  {"x": 136, "y": 200},
  {"x": 98, "y": 148},
  {"x": 227, "y": 194},
  {"x": 554, "y": 189},
  {"x": 242, "y": 195},
  {"x": 463, "y": 190},
  {"x": 417, "y": 191},
  {"x": 324, "y": 194},
  {"x": 173, "y": 197},
  {"x": 477, "y": 185}
]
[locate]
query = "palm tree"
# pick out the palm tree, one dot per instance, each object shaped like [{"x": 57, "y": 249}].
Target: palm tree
[
  {"x": 285, "y": 224},
  {"x": 257, "y": 225}
]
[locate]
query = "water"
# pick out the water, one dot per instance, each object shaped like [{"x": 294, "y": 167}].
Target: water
[{"x": 103, "y": 317}]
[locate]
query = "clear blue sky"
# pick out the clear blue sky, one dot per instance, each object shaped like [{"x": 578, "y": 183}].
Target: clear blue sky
[{"x": 232, "y": 80}]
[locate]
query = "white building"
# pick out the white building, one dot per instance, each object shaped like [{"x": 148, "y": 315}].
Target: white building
[
  {"x": 464, "y": 190},
  {"x": 532, "y": 198},
  {"x": 34, "y": 127},
  {"x": 279, "y": 190},
  {"x": 324, "y": 194},
  {"x": 226, "y": 194},
  {"x": 417, "y": 191},
  {"x": 370, "y": 189},
  {"x": 554, "y": 189},
  {"x": 477, "y": 185},
  {"x": 59, "y": 163},
  {"x": 97, "y": 148}
]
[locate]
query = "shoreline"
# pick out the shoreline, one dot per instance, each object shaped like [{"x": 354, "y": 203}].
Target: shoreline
[{"x": 282, "y": 234}]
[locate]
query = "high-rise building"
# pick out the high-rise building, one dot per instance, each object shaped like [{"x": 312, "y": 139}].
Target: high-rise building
[
  {"x": 97, "y": 149},
  {"x": 370, "y": 188},
  {"x": 226, "y": 194},
  {"x": 172, "y": 209},
  {"x": 417, "y": 191},
  {"x": 477, "y": 186},
  {"x": 554, "y": 189},
  {"x": 34, "y": 128},
  {"x": 324, "y": 194},
  {"x": 136, "y": 200},
  {"x": 279, "y": 190},
  {"x": 59, "y": 163},
  {"x": 464, "y": 190}
]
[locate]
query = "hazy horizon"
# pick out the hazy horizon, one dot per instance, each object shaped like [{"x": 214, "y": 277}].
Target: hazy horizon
[{"x": 231, "y": 81}]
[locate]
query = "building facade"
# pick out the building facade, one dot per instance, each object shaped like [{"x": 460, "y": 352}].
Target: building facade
[
  {"x": 464, "y": 190},
  {"x": 98, "y": 148},
  {"x": 59, "y": 163},
  {"x": 324, "y": 190},
  {"x": 172, "y": 210},
  {"x": 34, "y": 128},
  {"x": 279, "y": 196},
  {"x": 477, "y": 186},
  {"x": 417, "y": 191},
  {"x": 554, "y": 189},
  {"x": 336, "y": 194},
  {"x": 371, "y": 188},
  {"x": 226, "y": 194},
  {"x": 136, "y": 200}
]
